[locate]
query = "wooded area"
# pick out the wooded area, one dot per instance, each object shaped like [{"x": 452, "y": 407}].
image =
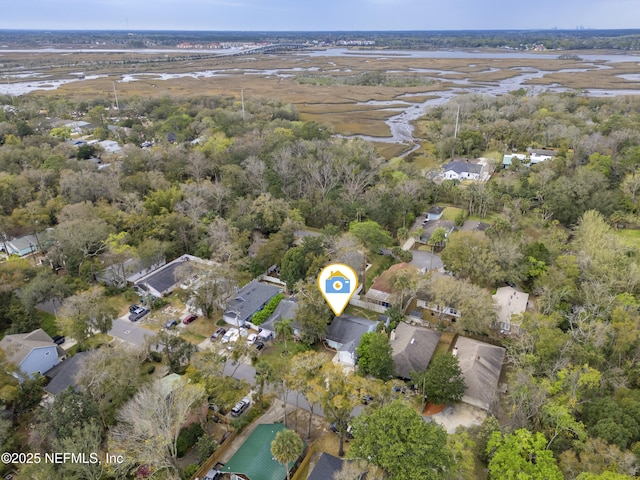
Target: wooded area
[{"x": 236, "y": 186}]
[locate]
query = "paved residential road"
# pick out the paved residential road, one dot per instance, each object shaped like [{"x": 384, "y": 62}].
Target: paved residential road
[{"x": 130, "y": 332}]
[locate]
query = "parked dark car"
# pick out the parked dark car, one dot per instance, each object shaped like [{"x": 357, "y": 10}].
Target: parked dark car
[
  {"x": 137, "y": 314},
  {"x": 240, "y": 407},
  {"x": 367, "y": 399},
  {"x": 334, "y": 428},
  {"x": 189, "y": 318},
  {"x": 399, "y": 389},
  {"x": 58, "y": 339},
  {"x": 171, "y": 324},
  {"x": 218, "y": 333},
  {"x": 259, "y": 345}
]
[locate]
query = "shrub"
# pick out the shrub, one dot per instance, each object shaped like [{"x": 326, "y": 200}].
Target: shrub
[
  {"x": 261, "y": 316},
  {"x": 155, "y": 356},
  {"x": 206, "y": 445},
  {"x": 131, "y": 295},
  {"x": 112, "y": 290},
  {"x": 188, "y": 437},
  {"x": 190, "y": 471}
]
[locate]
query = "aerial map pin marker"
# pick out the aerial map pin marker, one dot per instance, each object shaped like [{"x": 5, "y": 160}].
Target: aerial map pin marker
[{"x": 337, "y": 283}]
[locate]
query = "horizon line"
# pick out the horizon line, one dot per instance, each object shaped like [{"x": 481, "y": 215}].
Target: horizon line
[{"x": 541, "y": 29}]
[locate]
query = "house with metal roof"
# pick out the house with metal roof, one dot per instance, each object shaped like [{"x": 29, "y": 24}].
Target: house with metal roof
[
  {"x": 507, "y": 159},
  {"x": 481, "y": 365},
  {"x": 247, "y": 301},
  {"x": 344, "y": 334},
  {"x": 32, "y": 352},
  {"x": 412, "y": 348},
  {"x": 21, "y": 246},
  {"x": 253, "y": 460}
]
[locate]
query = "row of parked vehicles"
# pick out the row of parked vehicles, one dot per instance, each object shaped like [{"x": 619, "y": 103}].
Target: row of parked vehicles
[
  {"x": 187, "y": 320},
  {"x": 233, "y": 335}
]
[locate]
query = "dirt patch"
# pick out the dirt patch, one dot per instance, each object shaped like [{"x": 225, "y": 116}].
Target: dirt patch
[
  {"x": 432, "y": 409},
  {"x": 457, "y": 415}
]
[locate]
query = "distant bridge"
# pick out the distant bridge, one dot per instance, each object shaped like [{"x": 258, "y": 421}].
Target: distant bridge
[{"x": 273, "y": 48}]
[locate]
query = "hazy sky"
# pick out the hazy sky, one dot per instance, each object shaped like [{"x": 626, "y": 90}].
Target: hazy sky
[{"x": 318, "y": 15}]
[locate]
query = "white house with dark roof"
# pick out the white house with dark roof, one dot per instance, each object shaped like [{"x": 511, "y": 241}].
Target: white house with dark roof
[
  {"x": 541, "y": 154},
  {"x": 461, "y": 170},
  {"x": 32, "y": 352},
  {"x": 344, "y": 334},
  {"x": 412, "y": 348},
  {"x": 481, "y": 365},
  {"x": 247, "y": 301}
]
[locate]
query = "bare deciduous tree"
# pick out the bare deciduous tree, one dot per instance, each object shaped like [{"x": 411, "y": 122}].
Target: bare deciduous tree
[{"x": 149, "y": 425}]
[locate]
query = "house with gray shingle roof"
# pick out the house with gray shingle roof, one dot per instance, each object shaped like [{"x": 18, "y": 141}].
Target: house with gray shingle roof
[
  {"x": 412, "y": 348},
  {"x": 481, "y": 365},
  {"x": 249, "y": 299},
  {"x": 461, "y": 170},
  {"x": 435, "y": 213},
  {"x": 286, "y": 309},
  {"x": 64, "y": 375},
  {"x": 431, "y": 227},
  {"x": 328, "y": 467},
  {"x": 32, "y": 352},
  {"x": 166, "y": 279},
  {"x": 344, "y": 334}
]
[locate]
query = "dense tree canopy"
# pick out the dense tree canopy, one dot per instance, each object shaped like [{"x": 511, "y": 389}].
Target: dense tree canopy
[
  {"x": 397, "y": 439},
  {"x": 374, "y": 355},
  {"x": 443, "y": 380},
  {"x": 272, "y": 192}
]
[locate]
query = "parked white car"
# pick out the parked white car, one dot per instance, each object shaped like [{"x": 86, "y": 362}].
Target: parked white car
[{"x": 230, "y": 333}]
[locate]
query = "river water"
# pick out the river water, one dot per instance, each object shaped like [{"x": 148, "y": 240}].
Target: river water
[{"x": 400, "y": 124}]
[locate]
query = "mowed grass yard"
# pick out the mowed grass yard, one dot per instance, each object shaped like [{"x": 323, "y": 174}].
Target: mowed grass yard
[{"x": 629, "y": 236}]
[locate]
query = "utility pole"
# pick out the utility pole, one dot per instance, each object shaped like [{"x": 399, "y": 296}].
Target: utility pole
[
  {"x": 115, "y": 94},
  {"x": 242, "y": 101},
  {"x": 455, "y": 133}
]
